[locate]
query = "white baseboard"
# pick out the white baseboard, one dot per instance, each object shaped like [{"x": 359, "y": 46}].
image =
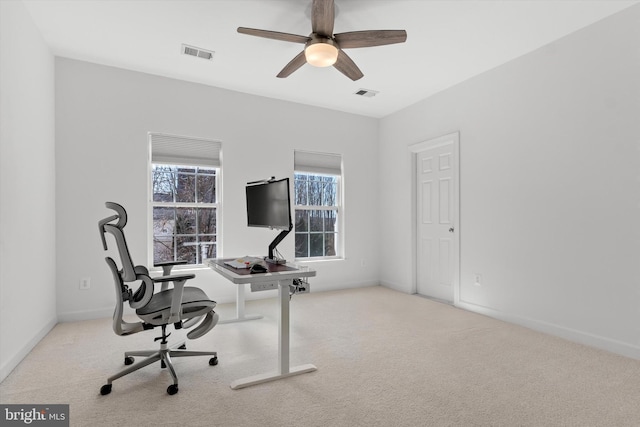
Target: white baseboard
[
  {"x": 342, "y": 285},
  {"x": 581, "y": 337},
  {"x": 14, "y": 361},
  {"x": 603, "y": 343},
  {"x": 107, "y": 312},
  {"x": 76, "y": 316},
  {"x": 394, "y": 286}
]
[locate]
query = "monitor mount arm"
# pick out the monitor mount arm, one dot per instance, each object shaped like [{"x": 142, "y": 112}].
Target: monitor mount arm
[{"x": 270, "y": 258}]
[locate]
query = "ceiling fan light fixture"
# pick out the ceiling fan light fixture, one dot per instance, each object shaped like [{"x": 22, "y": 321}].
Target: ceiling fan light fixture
[{"x": 321, "y": 53}]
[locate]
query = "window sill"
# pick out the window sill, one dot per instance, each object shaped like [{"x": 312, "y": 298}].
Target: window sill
[
  {"x": 319, "y": 259},
  {"x": 181, "y": 268}
]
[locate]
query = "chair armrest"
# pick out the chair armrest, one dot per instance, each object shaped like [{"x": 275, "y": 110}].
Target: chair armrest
[
  {"x": 166, "y": 273},
  {"x": 178, "y": 289},
  {"x": 173, "y": 278},
  {"x": 176, "y": 262},
  {"x": 168, "y": 265}
]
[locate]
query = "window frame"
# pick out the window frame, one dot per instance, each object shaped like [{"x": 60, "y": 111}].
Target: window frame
[
  {"x": 338, "y": 208},
  {"x": 189, "y": 205}
]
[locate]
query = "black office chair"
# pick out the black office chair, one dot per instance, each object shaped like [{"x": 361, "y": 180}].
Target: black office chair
[{"x": 182, "y": 306}]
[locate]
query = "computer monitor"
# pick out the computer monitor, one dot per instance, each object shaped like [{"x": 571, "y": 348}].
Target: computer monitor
[{"x": 269, "y": 206}]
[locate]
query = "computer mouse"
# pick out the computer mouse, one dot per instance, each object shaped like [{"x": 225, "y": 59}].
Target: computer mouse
[{"x": 258, "y": 268}]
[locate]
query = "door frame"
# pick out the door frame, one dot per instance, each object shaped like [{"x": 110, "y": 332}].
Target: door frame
[{"x": 414, "y": 149}]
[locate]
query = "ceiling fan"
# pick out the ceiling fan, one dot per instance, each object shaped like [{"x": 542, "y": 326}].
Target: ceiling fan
[{"x": 323, "y": 48}]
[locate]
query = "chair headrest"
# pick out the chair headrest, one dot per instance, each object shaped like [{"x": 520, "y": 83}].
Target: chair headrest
[{"x": 121, "y": 216}]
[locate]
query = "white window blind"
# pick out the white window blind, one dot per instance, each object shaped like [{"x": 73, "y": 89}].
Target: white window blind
[
  {"x": 305, "y": 161},
  {"x": 180, "y": 150}
]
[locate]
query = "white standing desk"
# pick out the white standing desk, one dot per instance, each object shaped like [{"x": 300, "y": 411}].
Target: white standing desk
[{"x": 284, "y": 275}]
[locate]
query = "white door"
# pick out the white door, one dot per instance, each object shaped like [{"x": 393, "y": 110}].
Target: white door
[{"x": 437, "y": 217}]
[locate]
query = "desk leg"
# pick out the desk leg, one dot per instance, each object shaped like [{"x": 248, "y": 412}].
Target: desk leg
[
  {"x": 284, "y": 327},
  {"x": 284, "y": 370},
  {"x": 240, "y": 316}
]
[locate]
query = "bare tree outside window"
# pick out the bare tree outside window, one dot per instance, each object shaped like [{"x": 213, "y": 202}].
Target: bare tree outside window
[
  {"x": 184, "y": 213},
  {"x": 316, "y": 215}
]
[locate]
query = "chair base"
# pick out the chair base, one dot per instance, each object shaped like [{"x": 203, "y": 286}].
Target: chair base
[{"x": 163, "y": 355}]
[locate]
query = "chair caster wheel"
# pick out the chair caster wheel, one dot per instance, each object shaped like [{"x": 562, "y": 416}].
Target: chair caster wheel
[
  {"x": 172, "y": 389},
  {"x": 129, "y": 360},
  {"x": 213, "y": 361},
  {"x": 105, "y": 389}
]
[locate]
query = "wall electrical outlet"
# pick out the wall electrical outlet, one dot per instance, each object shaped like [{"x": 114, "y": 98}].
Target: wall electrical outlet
[
  {"x": 85, "y": 283},
  {"x": 477, "y": 279}
]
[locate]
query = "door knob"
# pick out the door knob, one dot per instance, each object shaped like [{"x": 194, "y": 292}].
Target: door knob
[{"x": 451, "y": 230}]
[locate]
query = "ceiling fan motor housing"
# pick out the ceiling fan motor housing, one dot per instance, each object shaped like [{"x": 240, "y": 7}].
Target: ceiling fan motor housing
[{"x": 321, "y": 51}]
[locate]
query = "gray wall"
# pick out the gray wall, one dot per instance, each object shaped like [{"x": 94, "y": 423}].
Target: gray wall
[
  {"x": 27, "y": 186},
  {"x": 103, "y": 115},
  {"x": 550, "y": 186}
]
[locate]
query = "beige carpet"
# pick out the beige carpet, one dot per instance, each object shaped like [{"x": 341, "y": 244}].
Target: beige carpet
[{"x": 384, "y": 359}]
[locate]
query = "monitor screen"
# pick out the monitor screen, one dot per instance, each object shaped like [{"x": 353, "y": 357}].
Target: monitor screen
[{"x": 268, "y": 205}]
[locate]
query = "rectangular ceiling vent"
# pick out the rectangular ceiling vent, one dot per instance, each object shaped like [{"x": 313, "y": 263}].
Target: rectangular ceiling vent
[
  {"x": 368, "y": 93},
  {"x": 197, "y": 52}
]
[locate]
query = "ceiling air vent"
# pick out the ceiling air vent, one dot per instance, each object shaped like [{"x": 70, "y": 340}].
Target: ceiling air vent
[
  {"x": 367, "y": 93},
  {"x": 197, "y": 52}
]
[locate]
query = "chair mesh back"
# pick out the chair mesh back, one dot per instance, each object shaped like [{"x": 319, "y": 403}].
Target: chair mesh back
[
  {"x": 116, "y": 230},
  {"x": 128, "y": 272},
  {"x": 114, "y": 225}
]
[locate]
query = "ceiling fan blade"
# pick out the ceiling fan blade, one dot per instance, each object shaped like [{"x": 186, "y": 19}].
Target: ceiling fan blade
[
  {"x": 273, "y": 35},
  {"x": 322, "y": 17},
  {"x": 346, "y": 66},
  {"x": 293, "y": 65},
  {"x": 370, "y": 38}
]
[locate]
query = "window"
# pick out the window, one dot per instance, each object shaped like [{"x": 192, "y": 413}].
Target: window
[
  {"x": 184, "y": 204},
  {"x": 318, "y": 220}
]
